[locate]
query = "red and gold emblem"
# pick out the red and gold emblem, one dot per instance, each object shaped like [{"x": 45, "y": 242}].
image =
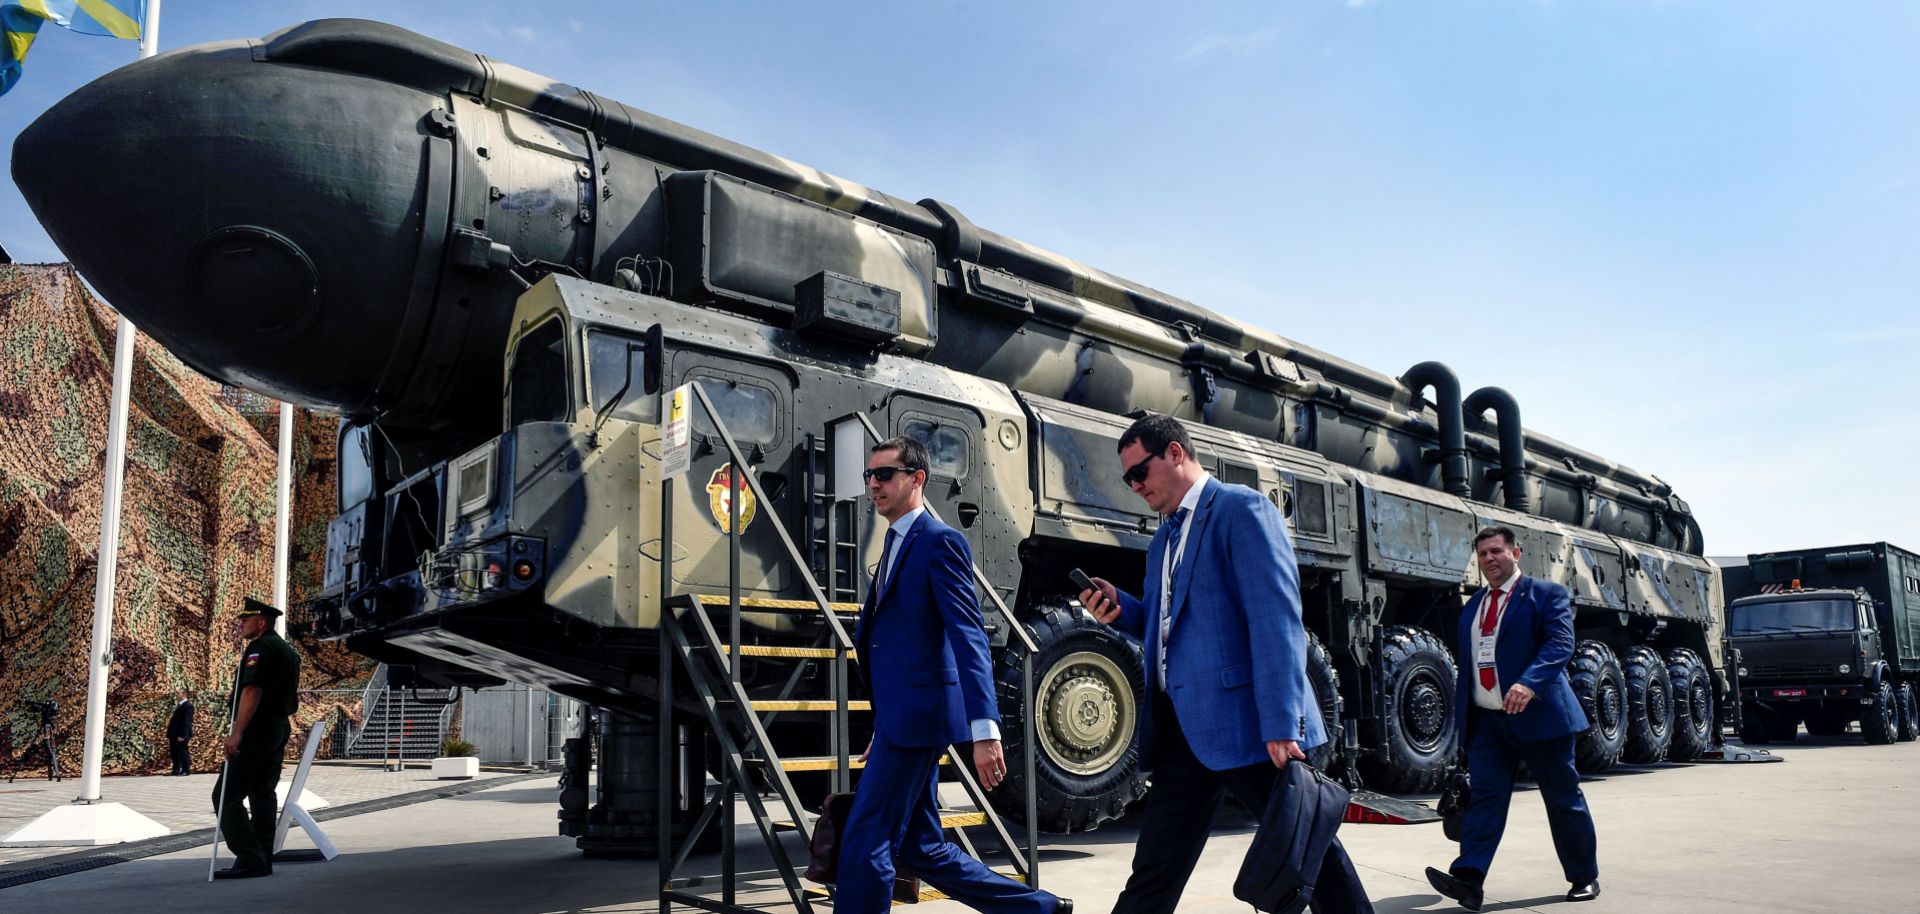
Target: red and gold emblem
[{"x": 719, "y": 493}]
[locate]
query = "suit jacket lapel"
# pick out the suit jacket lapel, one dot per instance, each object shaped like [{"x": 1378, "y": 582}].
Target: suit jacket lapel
[
  {"x": 1196, "y": 526},
  {"x": 1150, "y": 595}
]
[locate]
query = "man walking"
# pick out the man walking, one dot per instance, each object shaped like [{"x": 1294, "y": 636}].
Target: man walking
[
  {"x": 1224, "y": 714},
  {"x": 923, "y": 650},
  {"x": 264, "y": 698},
  {"x": 1515, "y": 705},
  {"x": 180, "y": 734}
]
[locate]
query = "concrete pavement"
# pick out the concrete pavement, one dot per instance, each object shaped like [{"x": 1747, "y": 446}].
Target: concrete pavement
[
  {"x": 184, "y": 803},
  {"x": 1826, "y": 831}
]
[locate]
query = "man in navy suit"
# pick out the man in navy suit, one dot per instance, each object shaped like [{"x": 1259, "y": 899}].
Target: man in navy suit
[
  {"x": 1224, "y": 715},
  {"x": 180, "y": 735},
  {"x": 1515, "y": 705},
  {"x": 923, "y": 649}
]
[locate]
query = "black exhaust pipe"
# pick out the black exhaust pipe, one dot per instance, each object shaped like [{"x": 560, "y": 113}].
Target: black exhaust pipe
[
  {"x": 1453, "y": 437},
  {"x": 1513, "y": 445}
]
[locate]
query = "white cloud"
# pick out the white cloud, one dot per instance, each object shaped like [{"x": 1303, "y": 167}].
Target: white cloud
[{"x": 1214, "y": 45}]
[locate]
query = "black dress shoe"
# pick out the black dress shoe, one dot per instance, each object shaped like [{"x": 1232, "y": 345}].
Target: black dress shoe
[
  {"x": 1063, "y": 906},
  {"x": 235, "y": 872},
  {"x": 1467, "y": 893},
  {"x": 1585, "y": 891}
]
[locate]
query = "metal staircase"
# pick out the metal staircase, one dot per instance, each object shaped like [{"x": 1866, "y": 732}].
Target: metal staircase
[
  {"x": 702, "y": 642},
  {"x": 401, "y": 723}
]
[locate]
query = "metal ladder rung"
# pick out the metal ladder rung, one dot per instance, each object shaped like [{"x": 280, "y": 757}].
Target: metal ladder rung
[
  {"x": 828, "y": 762},
  {"x": 810, "y": 705},
  {"x": 927, "y": 892},
  {"x": 949, "y": 818},
  {"x": 771, "y": 604},
  {"x": 769, "y": 650}
]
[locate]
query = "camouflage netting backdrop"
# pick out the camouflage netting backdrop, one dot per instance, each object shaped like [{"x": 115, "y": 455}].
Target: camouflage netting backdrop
[{"x": 197, "y": 528}]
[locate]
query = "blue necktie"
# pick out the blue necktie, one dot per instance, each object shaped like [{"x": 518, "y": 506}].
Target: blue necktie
[
  {"x": 884, "y": 576},
  {"x": 1174, "y": 523}
]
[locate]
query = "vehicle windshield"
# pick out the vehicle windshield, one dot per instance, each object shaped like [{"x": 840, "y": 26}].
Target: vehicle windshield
[{"x": 1787, "y": 616}]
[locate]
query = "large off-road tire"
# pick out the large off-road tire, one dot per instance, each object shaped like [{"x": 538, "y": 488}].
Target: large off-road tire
[
  {"x": 1826, "y": 722},
  {"x": 1909, "y": 705},
  {"x": 1756, "y": 724},
  {"x": 1879, "y": 721},
  {"x": 1601, "y": 688},
  {"x": 1089, "y": 687},
  {"x": 1783, "y": 727},
  {"x": 1417, "y": 680},
  {"x": 1649, "y": 705},
  {"x": 1326, "y": 692},
  {"x": 1693, "y": 711}
]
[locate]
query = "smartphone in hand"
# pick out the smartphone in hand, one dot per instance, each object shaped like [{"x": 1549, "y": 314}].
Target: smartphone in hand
[{"x": 1080, "y": 580}]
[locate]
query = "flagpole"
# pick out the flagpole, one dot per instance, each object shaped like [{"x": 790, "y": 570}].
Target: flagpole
[
  {"x": 283, "y": 516},
  {"x": 100, "y": 656},
  {"x": 87, "y": 820}
]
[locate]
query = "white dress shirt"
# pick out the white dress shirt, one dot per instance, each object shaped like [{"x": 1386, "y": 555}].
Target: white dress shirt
[
  {"x": 1483, "y": 696},
  {"x": 986, "y": 727},
  {"x": 1176, "y": 553}
]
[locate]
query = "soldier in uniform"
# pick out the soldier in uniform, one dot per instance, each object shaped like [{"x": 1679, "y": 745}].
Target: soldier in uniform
[{"x": 265, "y": 695}]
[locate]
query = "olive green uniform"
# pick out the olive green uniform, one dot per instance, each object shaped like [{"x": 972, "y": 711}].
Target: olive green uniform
[{"x": 271, "y": 664}]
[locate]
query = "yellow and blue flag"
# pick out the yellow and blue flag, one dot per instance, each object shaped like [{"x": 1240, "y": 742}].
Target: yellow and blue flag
[{"x": 20, "y": 22}]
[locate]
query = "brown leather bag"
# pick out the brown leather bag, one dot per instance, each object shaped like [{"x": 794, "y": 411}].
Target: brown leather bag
[{"x": 824, "y": 868}]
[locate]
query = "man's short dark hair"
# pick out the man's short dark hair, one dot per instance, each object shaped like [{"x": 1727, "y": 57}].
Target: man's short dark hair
[
  {"x": 1487, "y": 533},
  {"x": 913, "y": 454},
  {"x": 1155, "y": 432}
]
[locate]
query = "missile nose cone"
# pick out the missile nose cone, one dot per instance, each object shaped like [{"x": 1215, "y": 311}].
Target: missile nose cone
[{"x": 272, "y": 225}]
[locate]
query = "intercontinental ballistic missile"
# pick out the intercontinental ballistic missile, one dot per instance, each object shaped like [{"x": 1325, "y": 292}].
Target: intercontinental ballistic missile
[{"x": 342, "y": 214}]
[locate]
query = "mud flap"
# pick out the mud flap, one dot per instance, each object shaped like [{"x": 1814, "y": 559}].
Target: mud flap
[
  {"x": 1369, "y": 808},
  {"x": 1733, "y": 752}
]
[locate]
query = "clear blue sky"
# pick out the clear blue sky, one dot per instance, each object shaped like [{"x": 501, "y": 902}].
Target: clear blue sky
[{"x": 1682, "y": 234}]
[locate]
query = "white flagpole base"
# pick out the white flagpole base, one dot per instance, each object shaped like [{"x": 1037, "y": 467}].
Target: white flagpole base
[{"x": 85, "y": 825}]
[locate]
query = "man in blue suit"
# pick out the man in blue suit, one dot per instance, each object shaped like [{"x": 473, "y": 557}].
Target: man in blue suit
[
  {"x": 1226, "y": 663},
  {"x": 923, "y": 650},
  {"x": 1515, "y": 705}
]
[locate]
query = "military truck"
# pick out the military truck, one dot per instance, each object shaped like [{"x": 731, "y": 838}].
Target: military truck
[
  {"x": 1827, "y": 636},
  {"x": 495, "y": 278}
]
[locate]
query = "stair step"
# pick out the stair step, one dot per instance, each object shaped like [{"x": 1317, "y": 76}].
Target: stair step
[
  {"x": 827, "y": 706},
  {"x": 949, "y": 818},
  {"x": 769, "y": 650},
  {"x": 771, "y": 604},
  {"x": 827, "y": 762},
  {"x": 926, "y": 893}
]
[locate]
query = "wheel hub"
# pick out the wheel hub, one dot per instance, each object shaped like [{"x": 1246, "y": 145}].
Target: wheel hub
[
  {"x": 1424, "y": 713},
  {"x": 1702, "y": 702},
  {"x": 1657, "y": 710},
  {"x": 1611, "y": 703},
  {"x": 1088, "y": 713}
]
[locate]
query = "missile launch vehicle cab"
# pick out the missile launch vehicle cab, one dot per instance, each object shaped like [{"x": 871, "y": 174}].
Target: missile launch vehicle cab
[{"x": 495, "y": 277}]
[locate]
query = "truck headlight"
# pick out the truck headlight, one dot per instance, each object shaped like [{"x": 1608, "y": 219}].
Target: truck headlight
[
  {"x": 1743, "y": 672},
  {"x": 1845, "y": 668}
]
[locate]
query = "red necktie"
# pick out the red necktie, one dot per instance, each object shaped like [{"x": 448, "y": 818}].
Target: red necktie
[{"x": 1489, "y": 620}]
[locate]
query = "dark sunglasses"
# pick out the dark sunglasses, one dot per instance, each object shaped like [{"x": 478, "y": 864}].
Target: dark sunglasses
[
  {"x": 1137, "y": 473},
  {"x": 884, "y": 474}
]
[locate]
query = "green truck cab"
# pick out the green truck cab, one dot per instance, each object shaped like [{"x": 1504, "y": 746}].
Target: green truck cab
[{"x": 1827, "y": 637}]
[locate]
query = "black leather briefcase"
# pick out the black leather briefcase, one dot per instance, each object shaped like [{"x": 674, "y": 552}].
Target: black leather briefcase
[
  {"x": 1453, "y": 803},
  {"x": 1302, "y": 817}
]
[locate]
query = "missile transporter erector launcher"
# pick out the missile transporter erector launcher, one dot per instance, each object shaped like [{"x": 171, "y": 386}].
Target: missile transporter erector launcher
[{"x": 494, "y": 277}]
